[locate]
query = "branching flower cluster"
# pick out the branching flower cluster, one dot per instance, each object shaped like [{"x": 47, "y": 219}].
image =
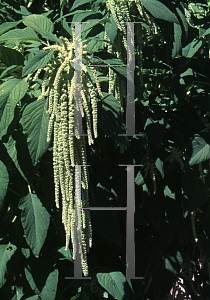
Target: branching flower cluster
[{"x": 69, "y": 147}]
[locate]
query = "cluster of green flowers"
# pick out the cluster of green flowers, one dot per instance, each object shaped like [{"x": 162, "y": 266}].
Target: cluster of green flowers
[{"x": 69, "y": 148}]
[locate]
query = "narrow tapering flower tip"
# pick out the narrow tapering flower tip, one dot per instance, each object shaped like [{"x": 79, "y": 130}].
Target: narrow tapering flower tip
[
  {"x": 37, "y": 74},
  {"x": 90, "y": 242},
  {"x": 29, "y": 77}
]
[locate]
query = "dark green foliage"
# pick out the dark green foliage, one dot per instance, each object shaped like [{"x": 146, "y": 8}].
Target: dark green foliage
[{"x": 173, "y": 120}]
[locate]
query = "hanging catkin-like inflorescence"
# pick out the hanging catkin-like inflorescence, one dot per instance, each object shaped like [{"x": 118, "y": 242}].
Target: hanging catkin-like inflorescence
[
  {"x": 124, "y": 11},
  {"x": 69, "y": 150}
]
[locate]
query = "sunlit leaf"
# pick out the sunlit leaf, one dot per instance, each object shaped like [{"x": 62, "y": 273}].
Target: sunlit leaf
[
  {"x": 19, "y": 35},
  {"x": 39, "y": 23},
  {"x": 39, "y": 61},
  {"x": 160, "y": 11}
]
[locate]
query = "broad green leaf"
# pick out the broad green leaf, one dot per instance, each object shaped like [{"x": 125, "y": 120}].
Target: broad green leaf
[
  {"x": 188, "y": 72},
  {"x": 159, "y": 166},
  {"x": 183, "y": 20},
  {"x": 6, "y": 253},
  {"x": 177, "y": 43},
  {"x": 35, "y": 123},
  {"x": 62, "y": 2},
  {"x": 113, "y": 282},
  {"x": 7, "y": 26},
  {"x": 50, "y": 289},
  {"x": 171, "y": 262},
  {"x": 139, "y": 180},
  {"x": 4, "y": 181},
  {"x": 19, "y": 35},
  {"x": 111, "y": 29},
  {"x": 19, "y": 293},
  {"x": 73, "y": 13},
  {"x": 33, "y": 44},
  {"x": 66, "y": 254},
  {"x": 96, "y": 42},
  {"x": 11, "y": 56},
  {"x": 160, "y": 11},
  {"x": 66, "y": 27},
  {"x": 50, "y": 37},
  {"x": 90, "y": 23},
  {"x": 23, "y": 11},
  {"x": 87, "y": 26},
  {"x": 78, "y": 3},
  {"x": 45, "y": 285},
  {"x": 11, "y": 92},
  {"x": 39, "y": 61},
  {"x": 198, "y": 149},
  {"x": 9, "y": 70},
  {"x": 110, "y": 118},
  {"x": 189, "y": 50},
  {"x": 80, "y": 15},
  {"x": 35, "y": 221},
  {"x": 18, "y": 152},
  {"x": 203, "y": 32},
  {"x": 39, "y": 23},
  {"x": 26, "y": 252}
]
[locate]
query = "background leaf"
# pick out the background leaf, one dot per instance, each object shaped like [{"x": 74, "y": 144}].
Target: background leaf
[
  {"x": 45, "y": 285},
  {"x": 190, "y": 50},
  {"x": 194, "y": 192},
  {"x": 110, "y": 118}
]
